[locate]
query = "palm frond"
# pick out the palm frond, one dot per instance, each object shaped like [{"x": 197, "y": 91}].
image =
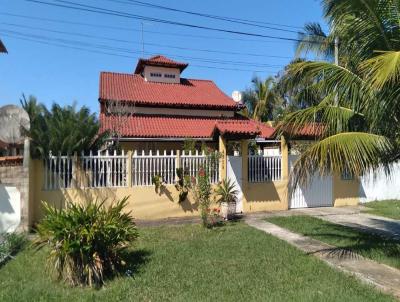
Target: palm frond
[{"x": 351, "y": 152}]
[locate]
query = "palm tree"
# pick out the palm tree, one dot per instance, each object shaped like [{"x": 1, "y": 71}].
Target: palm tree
[
  {"x": 360, "y": 111},
  {"x": 262, "y": 99},
  {"x": 62, "y": 130}
]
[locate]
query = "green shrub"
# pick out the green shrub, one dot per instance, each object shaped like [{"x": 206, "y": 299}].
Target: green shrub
[
  {"x": 86, "y": 241},
  {"x": 10, "y": 244},
  {"x": 226, "y": 192}
]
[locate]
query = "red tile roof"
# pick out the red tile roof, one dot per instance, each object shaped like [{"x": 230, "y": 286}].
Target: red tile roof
[
  {"x": 153, "y": 126},
  {"x": 11, "y": 161},
  {"x": 159, "y": 61},
  {"x": 308, "y": 130},
  {"x": 188, "y": 93}
]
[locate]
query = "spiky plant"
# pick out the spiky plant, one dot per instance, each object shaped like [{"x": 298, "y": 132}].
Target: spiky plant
[
  {"x": 86, "y": 241},
  {"x": 226, "y": 192}
]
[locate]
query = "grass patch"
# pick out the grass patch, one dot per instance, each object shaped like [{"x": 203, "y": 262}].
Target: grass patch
[
  {"x": 190, "y": 263},
  {"x": 386, "y": 208},
  {"x": 370, "y": 246}
]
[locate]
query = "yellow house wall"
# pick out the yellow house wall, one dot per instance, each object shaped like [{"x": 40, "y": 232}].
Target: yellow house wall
[
  {"x": 345, "y": 192},
  {"x": 265, "y": 196}
]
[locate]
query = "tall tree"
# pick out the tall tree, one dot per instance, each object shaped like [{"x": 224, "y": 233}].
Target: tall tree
[
  {"x": 262, "y": 99},
  {"x": 360, "y": 111},
  {"x": 62, "y": 130}
]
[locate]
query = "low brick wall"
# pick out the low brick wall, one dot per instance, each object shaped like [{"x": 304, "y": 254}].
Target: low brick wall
[{"x": 14, "y": 173}]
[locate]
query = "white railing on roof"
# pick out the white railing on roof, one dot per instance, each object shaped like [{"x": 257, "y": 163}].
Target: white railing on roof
[
  {"x": 57, "y": 172},
  {"x": 264, "y": 168},
  {"x": 104, "y": 170},
  {"x": 146, "y": 166},
  {"x": 193, "y": 162}
]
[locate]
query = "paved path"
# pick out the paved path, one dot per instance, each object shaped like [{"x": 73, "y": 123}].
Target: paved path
[
  {"x": 382, "y": 276},
  {"x": 353, "y": 217}
]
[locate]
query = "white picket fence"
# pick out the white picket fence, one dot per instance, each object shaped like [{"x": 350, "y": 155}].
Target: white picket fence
[
  {"x": 57, "y": 172},
  {"x": 111, "y": 170},
  {"x": 104, "y": 170},
  {"x": 146, "y": 166},
  {"x": 264, "y": 168},
  {"x": 193, "y": 162}
]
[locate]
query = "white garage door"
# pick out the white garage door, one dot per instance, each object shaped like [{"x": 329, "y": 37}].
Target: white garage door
[
  {"x": 10, "y": 208},
  {"x": 318, "y": 193}
]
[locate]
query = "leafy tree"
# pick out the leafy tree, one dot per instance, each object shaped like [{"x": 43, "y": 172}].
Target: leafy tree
[
  {"x": 360, "y": 110},
  {"x": 262, "y": 99},
  {"x": 62, "y": 130}
]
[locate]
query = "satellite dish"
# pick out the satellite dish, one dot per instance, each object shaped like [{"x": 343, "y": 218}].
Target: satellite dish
[
  {"x": 237, "y": 96},
  {"x": 13, "y": 122}
]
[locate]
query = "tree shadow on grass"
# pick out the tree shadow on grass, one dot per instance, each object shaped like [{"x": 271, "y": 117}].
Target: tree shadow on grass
[
  {"x": 362, "y": 244},
  {"x": 134, "y": 260}
]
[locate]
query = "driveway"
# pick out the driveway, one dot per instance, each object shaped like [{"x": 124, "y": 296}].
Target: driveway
[{"x": 352, "y": 217}]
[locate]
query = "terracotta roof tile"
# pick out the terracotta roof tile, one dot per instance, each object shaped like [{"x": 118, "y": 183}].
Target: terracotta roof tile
[
  {"x": 11, "y": 160},
  {"x": 159, "y": 61},
  {"x": 188, "y": 93},
  {"x": 153, "y": 126}
]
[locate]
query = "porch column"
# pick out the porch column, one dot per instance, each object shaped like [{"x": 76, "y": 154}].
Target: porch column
[
  {"x": 244, "y": 145},
  {"x": 285, "y": 159},
  {"x": 222, "y": 160},
  {"x": 285, "y": 168}
]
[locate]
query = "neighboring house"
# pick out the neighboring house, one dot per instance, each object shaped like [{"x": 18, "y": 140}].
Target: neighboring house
[
  {"x": 156, "y": 108},
  {"x": 3, "y": 49}
]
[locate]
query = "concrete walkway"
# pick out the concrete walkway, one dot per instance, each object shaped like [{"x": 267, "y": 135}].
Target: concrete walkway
[
  {"x": 353, "y": 217},
  {"x": 382, "y": 276}
]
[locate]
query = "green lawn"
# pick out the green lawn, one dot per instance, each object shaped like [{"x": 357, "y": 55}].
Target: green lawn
[
  {"x": 189, "y": 263},
  {"x": 386, "y": 208},
  {"x": 370, "y": 246}
]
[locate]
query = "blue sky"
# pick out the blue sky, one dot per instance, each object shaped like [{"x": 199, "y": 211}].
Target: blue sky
[{"x": 64, "y": 75}]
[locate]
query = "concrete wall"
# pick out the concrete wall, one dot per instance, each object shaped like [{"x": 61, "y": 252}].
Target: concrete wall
[
  {"x": 345, "y": 192},
  {"x": 17, "y": 175},
  {"x": 145, "y": 203}
]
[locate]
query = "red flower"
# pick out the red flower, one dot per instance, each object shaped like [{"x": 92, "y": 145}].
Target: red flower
[{"x": 202, "y": 173}]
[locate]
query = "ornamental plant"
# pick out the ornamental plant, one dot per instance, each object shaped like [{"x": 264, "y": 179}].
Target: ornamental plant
[
  {"x": 202, "y": 195},
  {"x": 86, "y": 241},
  {"x": 183, "y": 184},
  {"x": 226, "y": 192}
]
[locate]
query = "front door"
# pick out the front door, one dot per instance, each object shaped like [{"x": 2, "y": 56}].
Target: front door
[{"x": 234, "y": 173}]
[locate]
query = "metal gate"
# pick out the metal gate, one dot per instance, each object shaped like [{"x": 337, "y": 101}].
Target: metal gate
[
  {"x": 318, "y": 193},
  {"x": 234, "y": 173}
]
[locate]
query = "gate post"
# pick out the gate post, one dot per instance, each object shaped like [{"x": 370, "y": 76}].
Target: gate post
[
  {"x": 285, "y": 168},
  {"x": 222, "y": 160}
]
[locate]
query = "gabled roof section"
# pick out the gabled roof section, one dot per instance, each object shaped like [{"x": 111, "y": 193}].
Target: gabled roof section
[
  {"x": 188, "y": 93},
  {"x": 3, "y": 49},
  {"x": 159, "y": 61},
  {"x": 158, "y": 126}
]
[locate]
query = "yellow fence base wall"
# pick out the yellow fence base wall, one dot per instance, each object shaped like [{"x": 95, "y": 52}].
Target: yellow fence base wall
[
  {"x": 144, "y": 202},
  {"x": 268, "y": 196},
  {"x": 345, "y": 192}
]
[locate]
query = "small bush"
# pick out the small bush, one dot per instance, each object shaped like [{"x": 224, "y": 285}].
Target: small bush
[
  {"x": 10, "y": 244},
  {"x": 86, "y": 241}
]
